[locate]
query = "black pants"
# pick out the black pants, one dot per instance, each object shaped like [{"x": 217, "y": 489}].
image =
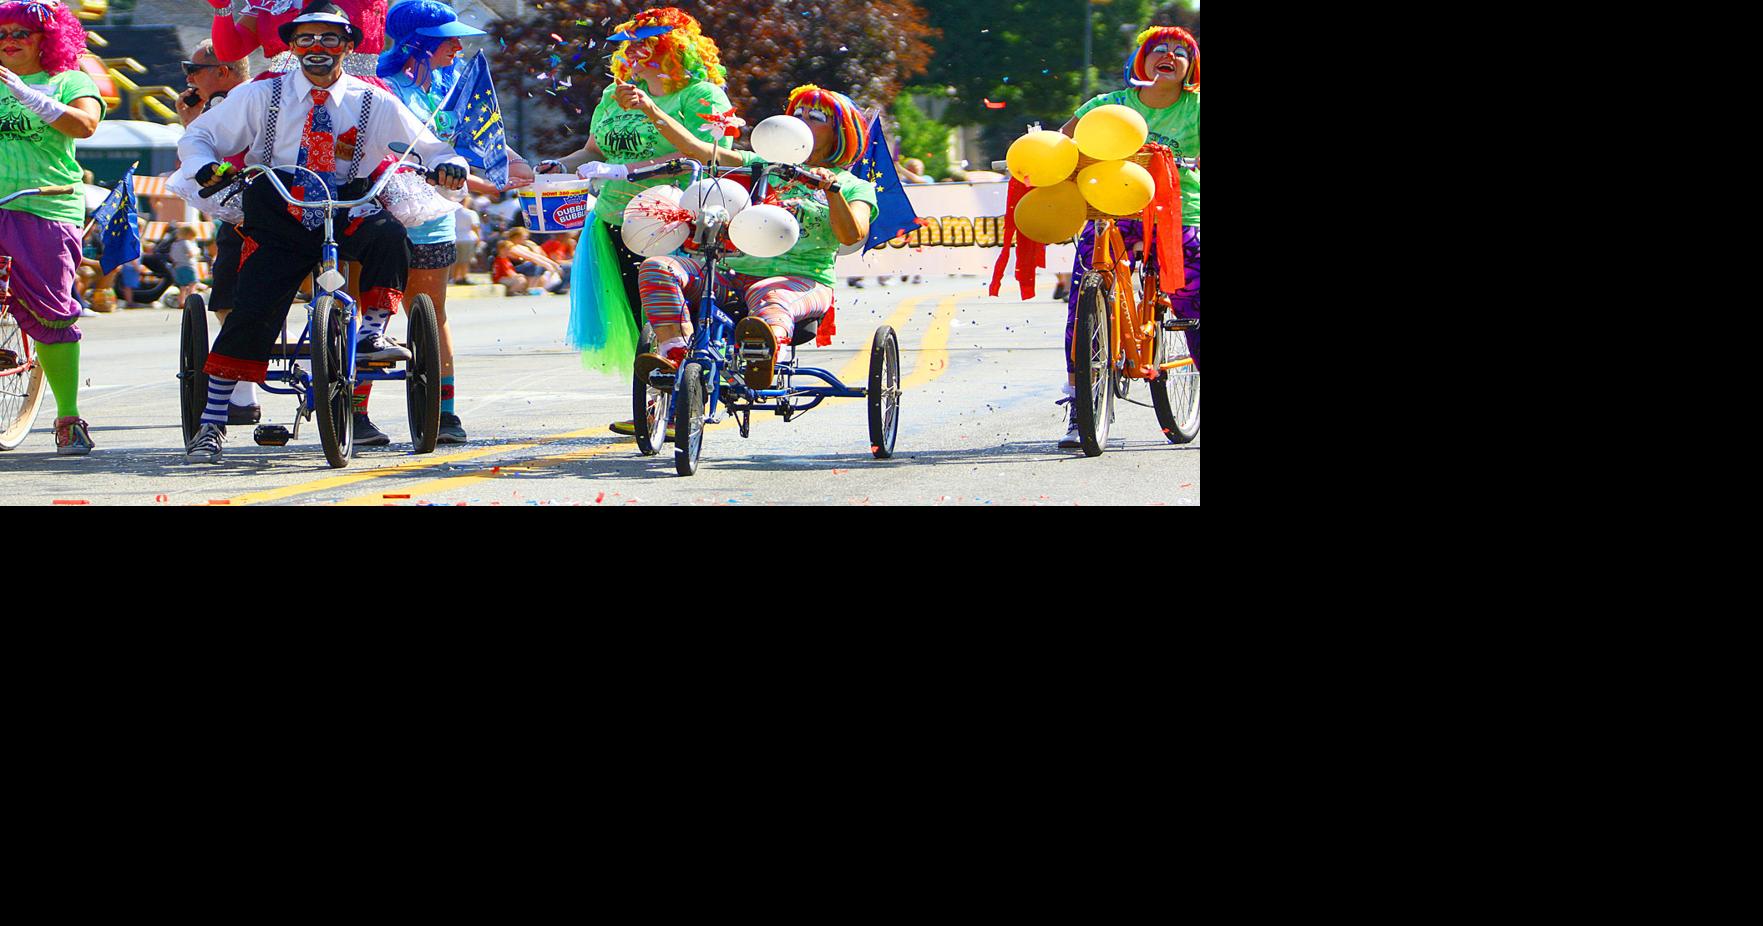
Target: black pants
[
  {"x": 227, "y": 245},
  {"x": 279, "y": 252}
]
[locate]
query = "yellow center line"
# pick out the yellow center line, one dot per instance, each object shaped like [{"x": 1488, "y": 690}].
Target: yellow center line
[
  {"x": 402, "y": 469},
  {"x": 858, "y": 366},
  {"x": 933, "y": 350}
]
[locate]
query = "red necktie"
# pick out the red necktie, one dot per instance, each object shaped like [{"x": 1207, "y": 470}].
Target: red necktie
[{"x": 318, "y": 151}]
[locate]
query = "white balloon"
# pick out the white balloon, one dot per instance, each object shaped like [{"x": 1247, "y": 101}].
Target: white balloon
[
  {"x": 723, "y": 192},
  {"x": 648, "y": 228},
  {"x": 783, "y": 140},
  {"x": 764, "y": 231}
]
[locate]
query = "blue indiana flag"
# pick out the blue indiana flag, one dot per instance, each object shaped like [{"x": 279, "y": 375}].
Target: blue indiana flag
[
  {"x": 894, "y": 212},
  {"x": 481, "y": 138},
  {"x": 121, "y": 226}
]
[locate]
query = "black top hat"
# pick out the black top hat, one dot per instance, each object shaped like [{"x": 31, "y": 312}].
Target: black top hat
[{"x": 320, "y": 11}]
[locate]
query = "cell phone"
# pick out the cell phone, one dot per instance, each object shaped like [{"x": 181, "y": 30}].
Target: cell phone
[{"x": 192, "y": 98}]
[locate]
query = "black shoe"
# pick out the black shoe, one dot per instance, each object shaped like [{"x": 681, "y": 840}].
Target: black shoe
[
  {"x": 366, "y": 435},
  {"x": 379, "y": 347},
  {"x": 1061, "y": 291},
  {"x": 452, "y": 432},
  {"x": 244, "y": 414}
]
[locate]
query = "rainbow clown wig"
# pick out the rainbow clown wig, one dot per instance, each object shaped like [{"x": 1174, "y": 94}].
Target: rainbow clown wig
[
  {"x": 674, "y": 38},
  {"x": 847, "y": 119},
  {"x": 64, "y": 39},
  {"x": 1138, "y": 74}
]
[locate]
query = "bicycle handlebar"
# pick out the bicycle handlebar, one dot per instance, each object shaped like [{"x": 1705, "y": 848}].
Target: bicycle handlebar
[
  {"x": 276, "y": 182},
  {"x": 62, "y": 190}
]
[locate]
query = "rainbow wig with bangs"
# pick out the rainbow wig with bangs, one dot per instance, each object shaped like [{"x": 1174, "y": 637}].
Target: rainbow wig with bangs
[
  {"x": 1138, "y": 74},
  {"x": 687, "y": 55},
  {"x": 853, "y": 134},
  {"x": 64, "y": 39}
]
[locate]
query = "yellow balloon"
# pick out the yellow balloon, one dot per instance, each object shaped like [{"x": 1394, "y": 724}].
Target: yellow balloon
[
  {"x": 1112, "y": 132},
  {"x": 1051, "y": 214},
  {"x": 1116, "y": 187},
  {"x": 1042, "y": 158}
]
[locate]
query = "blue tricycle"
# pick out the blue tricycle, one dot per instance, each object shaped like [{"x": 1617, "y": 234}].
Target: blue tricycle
[
  {"x": 333, "y": 324},
  {"x": 684, "y": 402}
]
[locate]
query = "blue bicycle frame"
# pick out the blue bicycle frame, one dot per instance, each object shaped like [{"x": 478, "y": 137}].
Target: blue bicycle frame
[{"x": 710, "y": 343}]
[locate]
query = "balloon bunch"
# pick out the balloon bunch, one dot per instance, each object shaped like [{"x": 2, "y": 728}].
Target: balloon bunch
[
  {"x": 661, "y": 219},
  {"x": 1056, "y": 209}
]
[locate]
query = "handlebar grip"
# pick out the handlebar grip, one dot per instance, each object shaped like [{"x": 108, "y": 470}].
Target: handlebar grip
[
  {"x": 675, "y": 166},
  {"x": 57, "y": 190}
]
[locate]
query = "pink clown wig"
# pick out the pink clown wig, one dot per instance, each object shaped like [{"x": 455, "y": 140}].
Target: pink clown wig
[{"x": 64, "y": 39}]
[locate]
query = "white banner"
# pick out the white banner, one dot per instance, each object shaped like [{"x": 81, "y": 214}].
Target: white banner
[{"x": 965, "y": 232}]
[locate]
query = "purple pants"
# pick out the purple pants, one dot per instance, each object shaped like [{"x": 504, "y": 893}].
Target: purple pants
[
  {"x": 45, "y": 260},
  {"x": 1186, "y": 302}
]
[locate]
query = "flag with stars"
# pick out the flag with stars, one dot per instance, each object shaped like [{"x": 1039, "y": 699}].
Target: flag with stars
[
  {"x": 894, "y": 212},
  {"x": 481, "y": 139},
  {"x": 121, "y": 227}
]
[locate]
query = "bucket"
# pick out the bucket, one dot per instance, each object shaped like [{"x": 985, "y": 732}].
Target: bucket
[{"x": 557, "y": 205}]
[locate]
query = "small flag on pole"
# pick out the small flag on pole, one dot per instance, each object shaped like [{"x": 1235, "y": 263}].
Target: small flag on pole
[
  {"x": 121, "y": 226},
  {"x": 894, "y": 212},
  {"x": 482, "y": 138}
]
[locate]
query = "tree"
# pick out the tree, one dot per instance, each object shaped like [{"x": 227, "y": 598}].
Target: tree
[
  {"x": 1181, "y": 13},
  {"x": 1028, "y": 55},
  {"x": 866, "y": 49},
  {"x": 918, "y": 136}
]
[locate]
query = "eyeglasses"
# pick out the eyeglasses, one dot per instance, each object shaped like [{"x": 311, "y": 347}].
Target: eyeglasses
[
  {"x": 328, "y": 40},
  {"x": 18, "y": 35},
  {"x": 191, "y": 67}
]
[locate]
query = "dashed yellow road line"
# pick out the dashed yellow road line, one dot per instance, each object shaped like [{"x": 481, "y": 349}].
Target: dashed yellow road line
[
  {"x": 402, "y": 469},
  {"x": 933, "y": 348},
  {"x": 858, "y": 366}
]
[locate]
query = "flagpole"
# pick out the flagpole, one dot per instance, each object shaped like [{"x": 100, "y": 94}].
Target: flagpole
[{"x": 94, "y": 221}]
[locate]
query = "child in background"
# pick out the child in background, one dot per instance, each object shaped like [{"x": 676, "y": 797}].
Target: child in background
[{"x": 185, "y": 254}]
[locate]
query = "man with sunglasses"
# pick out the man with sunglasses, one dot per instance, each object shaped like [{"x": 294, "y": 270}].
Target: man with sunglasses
[
  {"x": 209, "y": 81},
  {"x": 339, "y": 128}
]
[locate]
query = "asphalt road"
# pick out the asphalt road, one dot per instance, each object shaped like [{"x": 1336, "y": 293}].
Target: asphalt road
[{"x": 978, "y": 424}]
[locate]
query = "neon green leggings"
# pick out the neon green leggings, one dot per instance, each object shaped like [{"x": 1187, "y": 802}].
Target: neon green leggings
[{"x": 61, "y": 365}]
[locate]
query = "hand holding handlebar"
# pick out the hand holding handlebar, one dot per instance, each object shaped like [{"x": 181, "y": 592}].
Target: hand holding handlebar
[
  {"x": 215, "y": 177},
  {"x": 450, "y": 176},
  {"x": 599, "y": 170}
]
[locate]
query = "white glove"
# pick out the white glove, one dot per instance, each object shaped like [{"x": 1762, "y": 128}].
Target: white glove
[
  {"x": 47, "y": 108},
  {"x": 599, "y": 170}
]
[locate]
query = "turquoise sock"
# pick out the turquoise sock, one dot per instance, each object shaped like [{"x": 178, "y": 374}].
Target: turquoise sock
[{"x": 446, "y": 395}]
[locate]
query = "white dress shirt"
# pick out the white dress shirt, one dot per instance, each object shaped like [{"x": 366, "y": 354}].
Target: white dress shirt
[{"x": 240, "y": 119}]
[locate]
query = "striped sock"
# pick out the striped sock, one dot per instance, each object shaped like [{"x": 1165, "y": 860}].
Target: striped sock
[
  {"x": 358, "y": 402},
  {"x": 220, "y": 392},
  {"x": 446, "y": 395},
  {"x": 373, "y": 321}
]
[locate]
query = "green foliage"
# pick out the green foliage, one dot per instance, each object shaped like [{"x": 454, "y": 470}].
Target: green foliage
[
  {"x": 1028, "y": 55},
  {"x": 919, "y": 136}
]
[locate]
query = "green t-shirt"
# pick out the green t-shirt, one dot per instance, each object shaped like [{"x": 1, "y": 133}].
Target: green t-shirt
[
  {"x": 818, "y": 248},
  {"x": 33, "y": 155},
  {"x": 626, "y": 135},
  {"x": 1177, "y": 127}
]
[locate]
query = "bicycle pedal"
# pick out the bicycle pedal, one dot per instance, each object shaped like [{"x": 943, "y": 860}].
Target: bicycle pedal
[
  {"x": 271, "y": 435},
  {"x": 375, "y": 364},
  {"x": 8, "y": 360},
  {"x": 1180, "y": 324}
]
